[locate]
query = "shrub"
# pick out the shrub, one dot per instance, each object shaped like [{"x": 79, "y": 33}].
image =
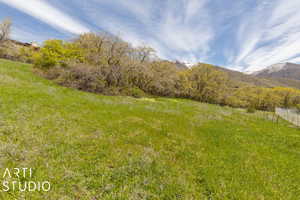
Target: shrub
[
  {"x": 57, "y": 53},
  {"x": 10, "y": 51},
  {"x": 251, "y": 109},
  {"x": 106, "y": 64},
  {"x": 298, "y": 108},
  {"x": 134, "y": 92},
  {"x": 26, "y": 55},
  {"x": 81, "y": 77},
  {"x": 112, "y": 91},
  {"x": 2, "y": 53}
]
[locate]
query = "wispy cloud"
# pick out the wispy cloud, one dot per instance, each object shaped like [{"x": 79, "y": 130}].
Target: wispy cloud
[
  {"x": 245, "y": 35},
  {"x": 273, "y": 35},
  {"x": 45, "y": 12},
  {"x": 180, "y": 32},
  {"x": 176, "y": 29}
]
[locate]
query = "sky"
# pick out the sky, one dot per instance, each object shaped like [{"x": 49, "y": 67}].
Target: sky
[{"x": 244, "y": 35}]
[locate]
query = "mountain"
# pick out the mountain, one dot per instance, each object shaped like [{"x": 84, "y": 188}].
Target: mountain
[
  {"x": 280, "y": 71},
  {"x": 240, "y": 79},
  {"x": 257, "y": 79},
  {"x": 287, "y": 74},
  {"x": 181, "y": 65}
]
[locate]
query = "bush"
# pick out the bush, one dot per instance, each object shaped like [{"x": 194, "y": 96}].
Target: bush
[
  {"x": 134, "y": 92},
  {"x": 10, "y": 51},
  {"x": 251, "y": 109},
  {"x": 106, "y": 64},
  {"x": 78, "y": 76},
  {"x": 298, "y": 108},
  {"x": 112, "y": 91},
  {"x": 2, "y": 53},
  {"x": 26, "y": 54},
  {"x": 57, "y": 53}
]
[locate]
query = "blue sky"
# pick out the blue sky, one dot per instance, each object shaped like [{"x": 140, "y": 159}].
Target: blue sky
[{"x": 245, "y": 35}]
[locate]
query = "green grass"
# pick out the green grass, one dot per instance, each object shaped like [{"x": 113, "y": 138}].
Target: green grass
[{"x": 97, "y": 147}]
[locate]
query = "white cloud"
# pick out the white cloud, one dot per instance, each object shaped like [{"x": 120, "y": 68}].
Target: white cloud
[
  {"x": 45, "y": 12},
  {"x": 273, "y": 37},
  {"x": 188, "y": 34},
  {"x": 295, "y": 60},
  {"x": 142, "y": 11},
  {"x": 193, "y": 7},
  {"x": 176, "y": 30},
  {"x": 246, "y": 35}
]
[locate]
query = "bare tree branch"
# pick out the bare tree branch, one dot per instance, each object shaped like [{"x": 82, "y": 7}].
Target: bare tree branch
[{"x": 5, "y": 29}]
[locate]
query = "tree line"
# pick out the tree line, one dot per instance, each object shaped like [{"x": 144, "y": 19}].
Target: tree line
[{"x": 104, "y": 63}]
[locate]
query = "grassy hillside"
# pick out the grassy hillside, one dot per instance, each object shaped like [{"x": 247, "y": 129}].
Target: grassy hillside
[{"x": 97, "y": 147}]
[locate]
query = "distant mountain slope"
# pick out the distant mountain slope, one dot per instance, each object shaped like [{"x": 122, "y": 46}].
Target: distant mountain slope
[
  {"x": 181, "y": 65},
  {"x": 258, "y": 80},
  {"x": 280, "y": 71},
  {"x": 241, "y": 78}
]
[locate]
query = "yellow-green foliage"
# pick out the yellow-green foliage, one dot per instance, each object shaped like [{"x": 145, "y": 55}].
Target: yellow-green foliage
[
  {"x": 105, "y": 64},
  {"x": 57, "y": 52},
  {"x": 264, "y": 98},
  {"x": 289, "y": 97},
  {"x": 26, "y": 54}
]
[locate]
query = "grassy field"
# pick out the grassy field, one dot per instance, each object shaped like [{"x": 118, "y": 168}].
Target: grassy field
[{"x": 97, "y": 147}]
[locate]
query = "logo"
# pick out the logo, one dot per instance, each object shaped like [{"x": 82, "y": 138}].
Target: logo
[{"x": 19, "y": 179}]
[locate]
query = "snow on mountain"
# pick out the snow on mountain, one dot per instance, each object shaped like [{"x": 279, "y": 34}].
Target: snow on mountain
[
  {"x": 271, "y": 69},
  {"x": 280, "y": 70}
]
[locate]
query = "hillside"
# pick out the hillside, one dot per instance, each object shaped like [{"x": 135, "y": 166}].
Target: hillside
[
  {"x": 10, "y": 49},
  {"x": 284, "y": 73},
  {"x": 99, "y": 147},
  {"x": 262, "y": 80},
  {"x": 281, "y": 70},
  {"x": 241, "y": 79}
]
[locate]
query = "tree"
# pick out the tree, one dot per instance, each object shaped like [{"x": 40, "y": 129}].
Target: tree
[
  {"x": 164, "y": 80},
  {"x": 144, "y": 53},
  {"x": 94, "y": 47},
  {"x": 289, "y": 96},
  {"x": 207, "y": 83},
  {"x": 5, "y": 28}
]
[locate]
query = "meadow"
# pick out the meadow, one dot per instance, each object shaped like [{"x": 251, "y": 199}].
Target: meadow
[{"x": 91, "y": 147}]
